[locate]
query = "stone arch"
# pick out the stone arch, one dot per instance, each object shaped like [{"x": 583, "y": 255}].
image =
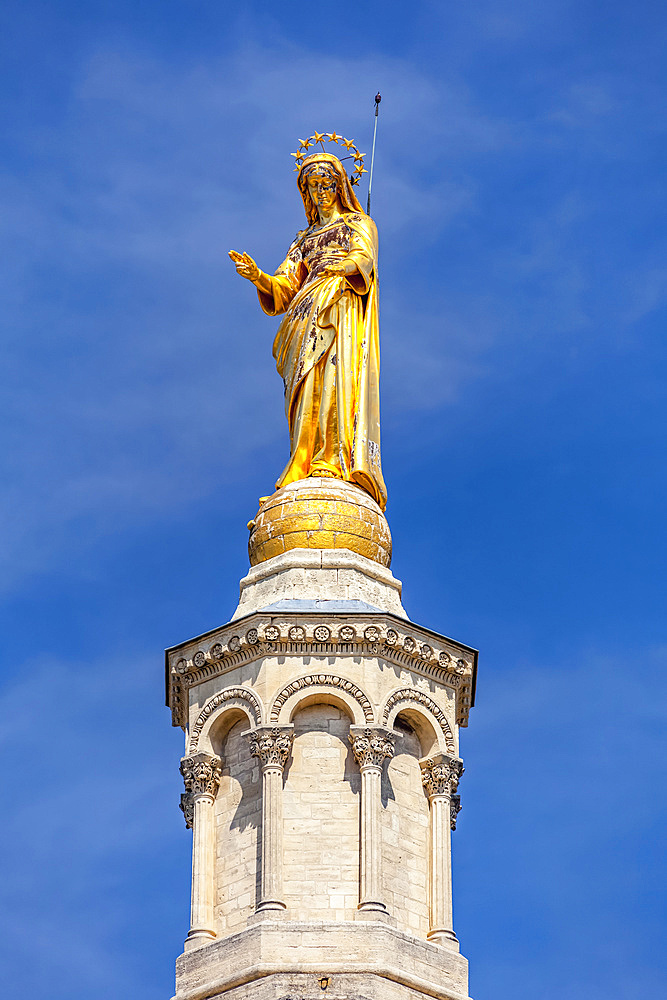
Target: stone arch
[
  {"x": 232, "y": 699},
  {"x": 428, "y": 718},
  {"x": 315, "y": 687}
]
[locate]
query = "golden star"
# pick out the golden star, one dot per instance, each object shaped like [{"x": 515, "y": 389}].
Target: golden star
[
  {"x": 348, "y": 144},
  {"x": 354, "y": 180},
  {"x": 333, "y": 136},
  {"x": 319, "y": 136},
  {"x": 358, "y": 156},
  {"x": 360, "y": 170},
  {"x": 305, "y": 143}
]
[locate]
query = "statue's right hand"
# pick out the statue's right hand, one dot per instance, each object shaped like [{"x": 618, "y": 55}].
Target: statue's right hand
[{"x": 245, "y": 265}]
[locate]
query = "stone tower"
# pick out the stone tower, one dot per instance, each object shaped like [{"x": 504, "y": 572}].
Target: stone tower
[{"x": 321, "y": 769}]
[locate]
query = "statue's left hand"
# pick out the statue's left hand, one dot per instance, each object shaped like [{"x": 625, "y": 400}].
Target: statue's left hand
[{"x": 343, "y": 268}]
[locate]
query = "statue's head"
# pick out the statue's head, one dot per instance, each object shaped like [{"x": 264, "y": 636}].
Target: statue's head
[{"x": 323, "y": 181}]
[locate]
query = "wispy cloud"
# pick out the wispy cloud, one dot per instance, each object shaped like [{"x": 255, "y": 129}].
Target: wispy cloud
[
  {"x": 136, "y": 380},
  {"x": 139, "y": 374}
]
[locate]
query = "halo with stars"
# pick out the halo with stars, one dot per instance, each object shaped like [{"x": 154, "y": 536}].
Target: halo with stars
[{"x": 319, "y": 138}]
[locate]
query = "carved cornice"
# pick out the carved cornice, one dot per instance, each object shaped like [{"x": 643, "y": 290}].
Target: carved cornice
[
  {"x": 440, "y": 775},
  {"x": 397, "y": 642},
  {"x": 201, "y": 775},
  {"x": 272, "y": 744},
  {"x": 371, "y": 746}
]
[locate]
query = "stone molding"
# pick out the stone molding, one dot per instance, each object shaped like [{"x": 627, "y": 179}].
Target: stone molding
[
  {"x": 371, "y": 746},
  {"x": 441, "y": 774},
  {"x": 313, "y": 574},
  {"x": 316, "y": 559},
  {"x": 272, "y": 744},
  {"x": 386, "y": 956},
  {"x": 358, "y": 635},
  {"x": 201, "y": 775},
  {"x": 407, "y": 696},
  {"x": 232, "y": 697},
  {"x": 321, "y": 680}
]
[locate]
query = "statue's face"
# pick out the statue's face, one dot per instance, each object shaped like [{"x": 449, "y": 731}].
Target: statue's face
[{"x": 323, "y": 187}]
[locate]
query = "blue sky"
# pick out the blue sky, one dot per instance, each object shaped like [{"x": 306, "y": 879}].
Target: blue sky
[{"x": 519, "y": 195}]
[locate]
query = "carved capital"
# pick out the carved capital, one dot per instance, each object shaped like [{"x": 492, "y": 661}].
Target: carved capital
[
  {"x": 272, "y": 744},
  {"x": 440, "y": 776},
  {"x": 201, "y": 775},
  {"x": 371, "y": 746},
  {"x": 454, "y": 810}
]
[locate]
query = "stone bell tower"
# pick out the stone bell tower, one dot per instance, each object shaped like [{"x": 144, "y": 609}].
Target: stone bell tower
[{"x": 321, "y": 770}]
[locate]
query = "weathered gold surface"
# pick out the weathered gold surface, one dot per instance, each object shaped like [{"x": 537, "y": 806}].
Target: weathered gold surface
[
  {"x": 327, "y": 346},
  {"x": 330, "y": 515}
]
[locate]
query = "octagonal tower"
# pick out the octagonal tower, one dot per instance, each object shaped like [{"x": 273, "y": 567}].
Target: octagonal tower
[{"x": 321, "y": 770}]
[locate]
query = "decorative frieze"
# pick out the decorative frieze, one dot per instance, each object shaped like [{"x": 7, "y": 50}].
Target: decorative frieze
[
  {"x": 402, "y": 645},
  {"x": 271, "y": 744}
]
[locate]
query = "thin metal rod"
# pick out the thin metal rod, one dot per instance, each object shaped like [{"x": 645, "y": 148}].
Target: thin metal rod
[{"x": 378, "y": 98}]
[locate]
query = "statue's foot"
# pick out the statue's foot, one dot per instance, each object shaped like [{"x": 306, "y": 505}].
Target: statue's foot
[{"x": 324, "y": 473}]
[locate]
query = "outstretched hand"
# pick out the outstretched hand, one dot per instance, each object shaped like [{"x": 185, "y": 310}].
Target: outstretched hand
[{"x": 245, "y": 265}]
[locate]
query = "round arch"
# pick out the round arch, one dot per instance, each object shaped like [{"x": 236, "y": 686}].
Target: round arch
[
  {"x": 427, "y": 718},
  {"x": 314, "y": 688},
  {"x": 231, "y": 701}
]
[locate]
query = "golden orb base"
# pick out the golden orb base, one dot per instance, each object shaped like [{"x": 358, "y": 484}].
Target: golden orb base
[{"x": 320, "y": 513}]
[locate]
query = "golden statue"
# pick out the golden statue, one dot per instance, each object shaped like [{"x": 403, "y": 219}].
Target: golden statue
[{"x": 327, "y": 346}]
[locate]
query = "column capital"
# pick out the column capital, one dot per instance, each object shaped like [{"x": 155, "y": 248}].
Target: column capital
[
  {"x": 454, "y": 810},
  {"x": 201, "y": 775},
  {"x": 440, "y": 775},
  {"x": 272, "y": 744},
  {"x": 371, "y": 744}
]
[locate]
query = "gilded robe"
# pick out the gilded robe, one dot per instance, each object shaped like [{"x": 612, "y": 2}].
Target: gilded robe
[{"x": 327, "y": 351}]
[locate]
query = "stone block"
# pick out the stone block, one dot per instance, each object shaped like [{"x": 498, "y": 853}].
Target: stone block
[{"x": 281, "y": 959}]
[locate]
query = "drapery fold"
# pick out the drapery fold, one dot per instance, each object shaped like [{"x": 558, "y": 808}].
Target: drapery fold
[{"x": 327, "y": 353}]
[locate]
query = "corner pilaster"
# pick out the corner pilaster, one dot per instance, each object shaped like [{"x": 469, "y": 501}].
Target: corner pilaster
[
  {"x": 440, "y": 778},
  {"x": 201, "y": 774}
]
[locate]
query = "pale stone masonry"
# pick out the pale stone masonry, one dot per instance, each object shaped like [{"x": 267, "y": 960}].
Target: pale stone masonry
[{"x": 321, "y": 770}]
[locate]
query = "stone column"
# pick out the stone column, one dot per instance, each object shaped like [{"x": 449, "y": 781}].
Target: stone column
[
  {"x": 440, "y": 777},
  {"x": 272, "y": 745},
  {"x": 201, "y": 774},
  {"x": 370, "y": 747}
]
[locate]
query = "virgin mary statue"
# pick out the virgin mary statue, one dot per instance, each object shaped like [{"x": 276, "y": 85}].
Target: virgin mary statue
[{"x": 327, "y": 345}]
